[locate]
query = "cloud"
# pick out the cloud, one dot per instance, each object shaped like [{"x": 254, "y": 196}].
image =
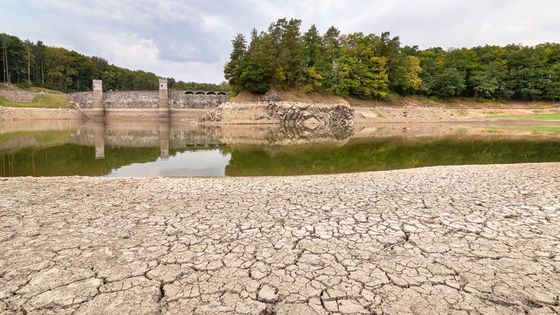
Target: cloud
[{"x": 190, "y": 39}]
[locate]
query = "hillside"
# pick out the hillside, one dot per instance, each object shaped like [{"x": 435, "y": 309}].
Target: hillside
[
  {"x": 34, "y": 64},
  {"x": 378, "y": 67}
]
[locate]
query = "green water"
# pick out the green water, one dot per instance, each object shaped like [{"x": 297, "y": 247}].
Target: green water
[
  {"x": 167, "y": 151},
  {"x": 385, "y": 154}
]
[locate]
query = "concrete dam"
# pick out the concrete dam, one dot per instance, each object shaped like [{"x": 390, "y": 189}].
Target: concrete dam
[{"x": 146, "y": 104}]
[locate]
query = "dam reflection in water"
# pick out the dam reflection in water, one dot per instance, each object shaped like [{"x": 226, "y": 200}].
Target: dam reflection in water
[
  {"x": 204, "y": 159},
  {"x": 163, "y": 148}
]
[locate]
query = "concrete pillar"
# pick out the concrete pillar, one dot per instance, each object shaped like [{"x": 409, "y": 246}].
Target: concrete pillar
[
  {"x": 163, "y": 99},
  {"x": 164, "y": 132},
  {"x": 99, "y": 138},
  {"x": 98, "y": 109}
]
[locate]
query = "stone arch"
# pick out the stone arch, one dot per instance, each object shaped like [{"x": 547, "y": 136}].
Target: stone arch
[
  {"x": 221, "y": 93},
  {"x": 200, "y": 93},
  {"x": 211, "y": 93},
  {"x": 189, "y": 93}
]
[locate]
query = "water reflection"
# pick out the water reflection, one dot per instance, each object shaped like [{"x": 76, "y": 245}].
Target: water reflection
[
  {"x": 164, "y": 133},
  {"x": 169, "y": 148},
  {"x": 99, "y": 139}
]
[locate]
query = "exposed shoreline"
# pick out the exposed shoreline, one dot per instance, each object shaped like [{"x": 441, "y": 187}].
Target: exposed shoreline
[
  {"x": 254, "y": 112},
  {"x": 431, "y": 240}
]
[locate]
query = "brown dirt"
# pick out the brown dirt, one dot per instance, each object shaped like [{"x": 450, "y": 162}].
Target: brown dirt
[
  {"x": 408, "y": 101},
  {"x": 289, "y": 96},
  {"x": 455, "y": 103}
]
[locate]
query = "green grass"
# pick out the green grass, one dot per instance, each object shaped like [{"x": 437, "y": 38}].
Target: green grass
[
  {"x": 41, "y": 101},
  {"x": 534, "y": 129},
  {"x": 462, "y": 112},
  {"x": 546, "y": 129},
  {"x": 529, "y": 117},
  {"x": 40, "y": 137}
]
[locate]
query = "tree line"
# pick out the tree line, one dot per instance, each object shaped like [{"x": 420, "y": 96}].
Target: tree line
[
  {"x": 370, "y": 66},
  {"x": 28, "y": 63}
]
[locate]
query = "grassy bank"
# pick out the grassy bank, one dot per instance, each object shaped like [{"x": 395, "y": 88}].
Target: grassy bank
[
  {"x": 41, "y": 101},
  {"x": 545, "y": 117}
]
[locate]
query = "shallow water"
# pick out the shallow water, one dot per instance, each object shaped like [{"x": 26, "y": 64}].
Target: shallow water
[{"x": 66, "y": 148}]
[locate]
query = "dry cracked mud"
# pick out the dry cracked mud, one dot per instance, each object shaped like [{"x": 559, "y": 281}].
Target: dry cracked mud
[{"x": 460, "y": 240}]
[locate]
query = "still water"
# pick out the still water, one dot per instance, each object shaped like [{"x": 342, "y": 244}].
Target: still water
[{"x": 174, "y": 149}]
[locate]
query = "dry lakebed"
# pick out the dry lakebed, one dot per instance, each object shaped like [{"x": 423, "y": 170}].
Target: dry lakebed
[{"x": 459, "y": 239}]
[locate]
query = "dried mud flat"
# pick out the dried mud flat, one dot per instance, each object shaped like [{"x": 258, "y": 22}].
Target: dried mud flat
[{"x": 467, "y": 239}]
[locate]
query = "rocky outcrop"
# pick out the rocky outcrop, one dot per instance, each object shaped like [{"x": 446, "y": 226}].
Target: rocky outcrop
[
  {"x": 311, "y": 115},
  {"x": 19, "y": 96},
  {"x": 301, "y": 115}
]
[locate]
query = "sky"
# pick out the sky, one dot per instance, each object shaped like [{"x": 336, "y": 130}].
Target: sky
[{"x": 191, "y": 40}]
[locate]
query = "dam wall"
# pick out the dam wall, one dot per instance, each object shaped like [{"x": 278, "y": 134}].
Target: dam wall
[{"x": 179, "y": 99}]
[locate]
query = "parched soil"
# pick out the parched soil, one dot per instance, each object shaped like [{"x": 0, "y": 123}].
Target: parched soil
[
  {"x": 419, "y": 114},
  {"x": 443, "y": 240}
]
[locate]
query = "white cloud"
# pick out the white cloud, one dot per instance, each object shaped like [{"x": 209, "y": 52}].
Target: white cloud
[{"x": 128, "y": 50}]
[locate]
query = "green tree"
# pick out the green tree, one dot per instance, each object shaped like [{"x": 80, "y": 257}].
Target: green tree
[
  {"x": 450, "y": 82},
  {"x": 361, "y": 73},
  {"x": 491, "y": 82},
  {"x": 312, "y": 46},
  {"x": 405, "y": 75},
  {"x": 327, "y": 66},
  {"x": 552, "y": 86},
  {"x": 259, "y": 63},
  {"x": 290, "y": 63},
  {"x": 234, "y": 68}
]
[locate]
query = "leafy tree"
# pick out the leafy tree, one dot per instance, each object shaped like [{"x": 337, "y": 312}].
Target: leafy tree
[
  {"x": 552, "y": 85},
  {"x": 65, "y": 70},
  {"x": 234, "y": 68},
  {"x": 369, "y": 66},
  {"x": 361, "y": 72},
  {"x": 429, "y": 64},
  {"x": 327, "y": 66},
  {"x": 405, "y": 75},
  {"x": 450, "y": 82},
  {"x": 256, "y": 78},
  {"x": 314, "y": 80},
  {"x": 312, "y": 47},
  {"x": 491, "y": 82}
]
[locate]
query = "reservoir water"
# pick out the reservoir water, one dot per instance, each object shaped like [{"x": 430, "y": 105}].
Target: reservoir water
[{"x": 68, "y": 148}]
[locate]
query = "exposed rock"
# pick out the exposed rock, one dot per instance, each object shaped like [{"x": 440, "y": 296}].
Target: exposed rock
[
  {"x": 214, "y": 116},
  {"x": 310, "y": 116},
  {"x": 298, "y": 114},
  {"x": 267, "y": 294}
]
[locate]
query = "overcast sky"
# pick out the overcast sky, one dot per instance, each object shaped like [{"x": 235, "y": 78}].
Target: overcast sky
[{"x": 190, "y": 40}]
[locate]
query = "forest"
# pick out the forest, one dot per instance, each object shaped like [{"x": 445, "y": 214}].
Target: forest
[
  {"x": 27, "y": 64},
  {"x": 370, "y": 66}
]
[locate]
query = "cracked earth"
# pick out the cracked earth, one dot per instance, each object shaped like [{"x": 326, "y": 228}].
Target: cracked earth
[{"x": 466, "y": 239}]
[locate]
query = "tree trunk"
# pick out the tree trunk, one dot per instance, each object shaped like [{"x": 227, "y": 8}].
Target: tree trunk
[
  {"x": 4, "y": 77},
  {"x": 7, "y": 66},
  {"x": 28, "y": 64}
]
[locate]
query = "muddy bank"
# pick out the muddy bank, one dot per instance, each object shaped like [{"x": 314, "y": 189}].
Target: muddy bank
[
  {"x": 342, "y": 115},
  {"x": 468, "y": 239},
  {"x": 291, "y": 114},
  {"x": 421, "y": 114}
]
